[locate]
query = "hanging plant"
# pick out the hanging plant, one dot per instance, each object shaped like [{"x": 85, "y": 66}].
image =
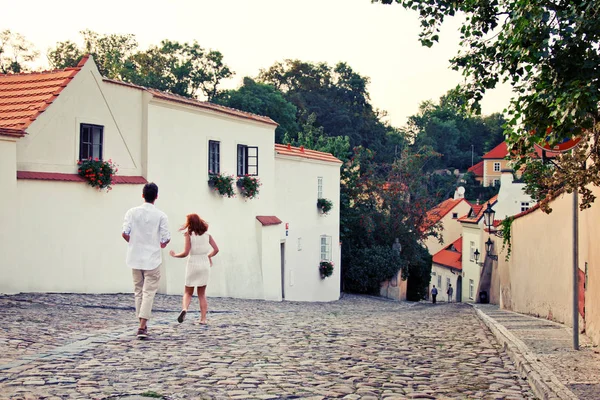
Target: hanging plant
[
  {"x": 97, "y": 173},
  {"x": 222, "y": 184},
  {"x": 325, "y": 269},
  {"x": 506, "y": 227},
  {"x": 325, "y": 205},
  {"x": 249, "y": 186}
]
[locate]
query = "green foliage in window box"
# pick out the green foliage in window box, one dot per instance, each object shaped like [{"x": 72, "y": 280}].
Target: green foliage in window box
[
  {"x": 325, "y": 205},
  {"x": 222, "y": 183},
  {"x": 97, "y": 173},
  {"x": 325, "y": 269},
  {"x": 249, "y": 186}
]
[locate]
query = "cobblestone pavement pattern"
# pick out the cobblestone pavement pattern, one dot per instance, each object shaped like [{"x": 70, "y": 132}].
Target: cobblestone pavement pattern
[{"x": 56, "y": 346}]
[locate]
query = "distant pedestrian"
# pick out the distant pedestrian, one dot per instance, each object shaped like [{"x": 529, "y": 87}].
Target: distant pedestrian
[
  {"x": 434, "y": 292},
  {"x": 146, "y": 230},
  {"x": 450, "y": 291},
  {"x": 201, "y": 248}
]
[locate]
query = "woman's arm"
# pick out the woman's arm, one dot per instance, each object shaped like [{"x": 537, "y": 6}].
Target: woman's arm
[
  {"x": 186, "y": 250},
  {"x": 212, "y": 242}
]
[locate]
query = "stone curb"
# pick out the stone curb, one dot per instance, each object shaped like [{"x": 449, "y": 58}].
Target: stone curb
[{"x": 544, "y": 384}]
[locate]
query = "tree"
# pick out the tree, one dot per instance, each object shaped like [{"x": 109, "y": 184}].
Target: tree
[
  {"x": 263, "y": 99},
  {"x": 64, "y": 55},
  {"x": 313, "y": 137},
  {"x": 186, "y": 69},
  {"x": 15, "y": 53},
  {"x": 459, "y": 137},
  {"x": 338, "y": 97},
  {"x": 548, "y": 50}
]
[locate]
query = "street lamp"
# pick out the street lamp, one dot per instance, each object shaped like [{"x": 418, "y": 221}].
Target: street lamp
[
  {"x": 489, "y": 246},
  {"x": 488, "y": 216},
  {"x": 476, "y": 255}
]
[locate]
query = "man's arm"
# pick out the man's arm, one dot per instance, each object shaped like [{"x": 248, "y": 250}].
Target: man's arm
[
  {"x": 165, "y": 235},
  {"x": 127, "y": 226}
]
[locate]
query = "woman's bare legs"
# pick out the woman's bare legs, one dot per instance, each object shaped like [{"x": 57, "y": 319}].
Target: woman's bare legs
[
  {"x": 203, "y": 303},
  {"x": 188, "y": 293}
]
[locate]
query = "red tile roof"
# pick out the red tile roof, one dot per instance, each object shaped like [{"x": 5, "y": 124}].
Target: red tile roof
[
  {"x": 55, "y": 176},
  {"x": 438, "y": 212},
  {"x": 477, "y": 169},
  {"x": 23, "y": 97},
  {"x": 267, "y": 220},
  {"x": 501, "y": 151},
  {"x": 498, "y": 152},
  {"x": 477, "y": 211},
  {"x": 301, "y": 152},
  {"x": 450, "y": 256}
]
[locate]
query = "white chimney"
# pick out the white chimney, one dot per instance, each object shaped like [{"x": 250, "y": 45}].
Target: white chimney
[{"x": 459, "y": 193}]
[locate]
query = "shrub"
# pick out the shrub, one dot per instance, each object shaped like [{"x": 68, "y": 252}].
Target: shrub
[
  {"x": 249, "y": 186},
  {"x": 222, "y": 183},
  {"x": 97, "y": 173},
  {"x": 368, "y": 267},
  {"x": 325, "y": 205},
  {"x": 325, "y": 269}
]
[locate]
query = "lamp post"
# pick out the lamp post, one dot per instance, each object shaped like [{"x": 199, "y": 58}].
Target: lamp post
[{"x": 476, "y": 255}]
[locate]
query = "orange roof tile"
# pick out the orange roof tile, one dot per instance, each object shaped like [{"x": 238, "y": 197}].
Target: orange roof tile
[
  {"x": 438, "y": 212},
  {"x": 450, "y": 256},
  {"x": 498, "y": 152},
  {"x": 477, "y": 169},
  {"x": 23, "y": 97},
  {"x": 287, "y": 150},
  {"x": 267, "y": 220},
  {"x": 477, "y": 211}
]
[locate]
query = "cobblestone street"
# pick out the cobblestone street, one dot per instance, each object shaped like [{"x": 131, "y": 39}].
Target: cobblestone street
[{"x": 84, "y": 346}]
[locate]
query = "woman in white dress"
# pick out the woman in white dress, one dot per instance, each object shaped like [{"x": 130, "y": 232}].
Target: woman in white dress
[{"x": 201, "y": 248}]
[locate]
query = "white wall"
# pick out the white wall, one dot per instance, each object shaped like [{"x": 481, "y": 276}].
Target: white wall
[
  {"x": 445, "y": 273},
  {"x": 69, "y": 238},
  {"x": 178, "y": 138},
  {"x": 471, "y": 270},
  {"x": 9, "y": 267},
  {"x": 451, "y": 228},
  {"x": 296, "y": 182},
  {"x": 52, "y": 140},
  {"x": 510, "y": 197}
]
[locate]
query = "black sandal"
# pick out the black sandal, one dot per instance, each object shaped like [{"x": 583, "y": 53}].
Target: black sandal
[{"x": 181, "y": 316}]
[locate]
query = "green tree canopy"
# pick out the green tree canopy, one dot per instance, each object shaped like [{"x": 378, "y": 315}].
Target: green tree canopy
[
  {"x": 262, "y": 99},
  {"x": 338, "y": 97},
  {"x": 15, "y": 53},
  {"x": 186, "y": 69},
  {"x": 549, "y": 51}
]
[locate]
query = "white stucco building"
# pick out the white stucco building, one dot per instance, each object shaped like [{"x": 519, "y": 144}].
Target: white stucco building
[{"x": 61, "y": 235}]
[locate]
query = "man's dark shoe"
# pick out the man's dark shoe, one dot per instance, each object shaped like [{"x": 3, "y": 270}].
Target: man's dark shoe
[
  {"x": 181, "y": 316},
  {"x": 142, "y": 333}
]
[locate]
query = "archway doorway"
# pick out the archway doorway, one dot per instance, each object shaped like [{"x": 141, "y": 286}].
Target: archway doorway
[{"x": 459, "y": 289}]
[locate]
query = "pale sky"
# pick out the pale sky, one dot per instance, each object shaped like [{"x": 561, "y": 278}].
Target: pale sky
[{"x": 377, "y": 41}]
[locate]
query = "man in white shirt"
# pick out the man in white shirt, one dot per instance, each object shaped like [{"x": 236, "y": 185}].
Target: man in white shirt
[{"x": 146, "y": 230}]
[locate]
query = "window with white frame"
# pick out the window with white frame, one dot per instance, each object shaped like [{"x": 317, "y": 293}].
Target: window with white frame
[
  {"x": 247, "y": 160},
  {"x": 440, "y": 282},
  {"x": 299, "y": 243},
  {"x": 472, "y": 251},
  {"x": 319, "y": 187},
  {"x": 471, "y": 289},
  {"x": 214, "y": 157},
  {"x": 325, "y": 248},
  {"x": 496, "y": 167},
  {"x": 524, "y": 206}
]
